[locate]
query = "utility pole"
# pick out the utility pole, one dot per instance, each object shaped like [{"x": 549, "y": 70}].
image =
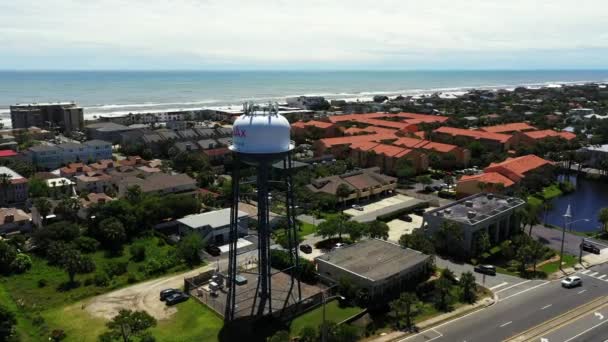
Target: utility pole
[
  {"x": 323, "y": 326},
  {"x": 567, "y": 216},
  {"x": 580, "y": 252}
]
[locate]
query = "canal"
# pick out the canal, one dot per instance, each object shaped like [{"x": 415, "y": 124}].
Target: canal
[{"x": 590, "y": 196}]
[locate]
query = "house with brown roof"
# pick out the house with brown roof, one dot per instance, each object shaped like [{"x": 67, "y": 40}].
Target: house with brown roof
[
  {"x": 340, "y": 146},
  {"x": 463, "y": 137},
  {"x": 74, "y": 169},
  {"x": 362, "y": 183},
  {"x": 96, "y": 182},
  {"x": 14, "y": 220},
  {"x": 160, "y": 183}
]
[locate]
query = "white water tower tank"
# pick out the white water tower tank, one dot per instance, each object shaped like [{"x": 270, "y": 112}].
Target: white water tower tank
[{"x": 261, "y": 131}]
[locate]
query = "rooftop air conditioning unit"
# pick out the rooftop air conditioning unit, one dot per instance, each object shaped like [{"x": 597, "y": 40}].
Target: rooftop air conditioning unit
[
  {"x": 468, "y": 204},
  {"x": 471, "y": 214}
]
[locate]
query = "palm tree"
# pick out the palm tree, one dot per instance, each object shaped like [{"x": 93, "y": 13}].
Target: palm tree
[
  {"x": 44, "y": 208},
  {"x": 342, "y": 192}
]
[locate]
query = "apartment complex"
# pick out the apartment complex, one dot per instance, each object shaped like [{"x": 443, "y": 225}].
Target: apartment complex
[
  {"x": 67, "y": 116},
  {"x": 361, "y": 183},
  {"x": 14, "y": 187},
  {"x": 53, "y": 156}
]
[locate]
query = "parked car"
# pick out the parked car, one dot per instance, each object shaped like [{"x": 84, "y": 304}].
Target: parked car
[
  {"x": 428, "y": 188},
  {"x": 406, "y": 218},
  {"x": 339, "y": 245},
  {"x": 306, "y": 249},
  {"x": 357, "y": 207},
  {"x": 213, "y": 250},
  {"x": 485, "y": 269},
  {"x": 418, "y": 211},
  {"x": 590, "y": 247},
  {"x": 176, "y": 298},
  {"x": 572, "y": 281},
  {"x": 166, "y": 293}
]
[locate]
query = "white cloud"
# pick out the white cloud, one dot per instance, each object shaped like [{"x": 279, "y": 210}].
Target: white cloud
[{"x": 269, "y": 33}]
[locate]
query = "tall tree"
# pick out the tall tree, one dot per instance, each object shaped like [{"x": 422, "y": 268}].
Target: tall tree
[
  {"x": 189, "y": 248},
  {"x": 468, "y": 287},
  {"x": 73, "y": 262},
  {"x": 128, "y": 324},
  {"x": 442, "y": 298},
  {"x": 68, "y": 208},
  {"x": 377, "y": 230},
  {"x": 342, "y": 192},
  {"x": 403, "y": 309},
  {"x": 111, "y": 233},
  {"x": 8, "y": 254},
  {"x": 603, "y": 218}
]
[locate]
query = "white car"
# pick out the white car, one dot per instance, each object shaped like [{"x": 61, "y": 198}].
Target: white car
[
  {"x": 339, "y": 245},
  {"x": 572, "y": 281},
  {"x": 357, "y": 207}
]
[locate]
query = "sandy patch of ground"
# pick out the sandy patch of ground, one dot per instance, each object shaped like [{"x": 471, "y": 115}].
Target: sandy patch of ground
[{"x": 143, "y": 296}]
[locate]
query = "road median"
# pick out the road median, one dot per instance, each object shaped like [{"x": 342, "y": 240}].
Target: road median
[{"x": 535, "y": 333}]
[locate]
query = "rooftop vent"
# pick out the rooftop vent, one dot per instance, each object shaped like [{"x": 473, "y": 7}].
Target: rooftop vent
[
  {"x": 471, "y": 214},
  {"x": 490, "y": 196},
  {"x": 469, "y": 204}
]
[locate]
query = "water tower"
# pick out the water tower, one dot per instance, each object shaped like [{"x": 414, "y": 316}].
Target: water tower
[{"x": 261, "y": 139}]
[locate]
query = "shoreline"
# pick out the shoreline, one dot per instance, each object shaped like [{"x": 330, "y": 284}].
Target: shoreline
[{"x": 92, "y": 112}]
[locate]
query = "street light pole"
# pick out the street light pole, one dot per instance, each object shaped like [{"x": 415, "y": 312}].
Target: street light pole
[
  {"x": 567, "y": 216},
  {"x": 573, "y": 222}
]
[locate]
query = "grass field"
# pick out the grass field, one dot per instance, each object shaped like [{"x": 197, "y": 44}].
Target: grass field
[
  {"x": 551, "y": 191},
  {"x": 192, "y": 322},
  {"x": 552, "y": 267},
  {"x": 33, "y": 302},
  {"x": 306, "y": 229},
  {"x": 314, "y": 318}
]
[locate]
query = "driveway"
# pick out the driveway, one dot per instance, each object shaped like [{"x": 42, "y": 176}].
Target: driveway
[{"x": 143, "y": 296}]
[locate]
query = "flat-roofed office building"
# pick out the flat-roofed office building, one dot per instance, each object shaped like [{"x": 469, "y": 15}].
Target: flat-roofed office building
[{"x": 492, "y": 213}]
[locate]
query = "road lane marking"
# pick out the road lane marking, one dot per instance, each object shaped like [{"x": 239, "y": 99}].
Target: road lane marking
[
  {"x": 526, "y": 290},
  {"x": 602, "y": 276},
  {"x": 585, "y": 271},
  {"x": 431, "y": 330},
  {"x": 499, "y": 285},
  {"x": 584, "y": 332},
  {"x": 440, "y": 325},
  {"x": 598, "y": 315},
  {"x": 506, "y": 288},
  {"x": 581, "y": 291},
  {"x": 546, "y": 307},
  {"x": 505, "y": 324},
  {"x": 593, "y": 274}
]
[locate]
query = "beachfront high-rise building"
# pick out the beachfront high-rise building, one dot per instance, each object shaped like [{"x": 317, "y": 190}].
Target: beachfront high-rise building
[{"x": 67, "y": 116}]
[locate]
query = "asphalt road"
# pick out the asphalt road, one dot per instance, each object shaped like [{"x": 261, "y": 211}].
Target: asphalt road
[
  {"x": 587, "y": 327},
  {"x": 521, "y": 306},
  {"x": 553, "y": 238}
]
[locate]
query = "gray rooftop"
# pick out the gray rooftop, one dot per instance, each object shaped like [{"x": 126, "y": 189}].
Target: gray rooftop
[
  {"x": 108, "y": 127},
  {"x": 97, "y": 142},
  {"x": 374, "y": 259},
  {"x": 44, "y": 148},
  {"x": 214, "y": 219},
  {"x": 476, "y": 208}
]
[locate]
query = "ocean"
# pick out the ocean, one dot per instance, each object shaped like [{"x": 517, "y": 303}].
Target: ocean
[{"x": 123, "y": 92}]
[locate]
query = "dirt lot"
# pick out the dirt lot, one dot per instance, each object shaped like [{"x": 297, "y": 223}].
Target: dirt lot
[{"x": 143, "y": 296}]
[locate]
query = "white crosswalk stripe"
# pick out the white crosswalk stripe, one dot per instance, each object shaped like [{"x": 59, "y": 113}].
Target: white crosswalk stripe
[
  {"x": 593, "y": 274},
  {"x": 602, "y": 276},
  {"x": 585, "y": 271}
]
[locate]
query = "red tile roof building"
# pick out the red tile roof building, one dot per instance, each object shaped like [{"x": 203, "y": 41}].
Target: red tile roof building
[
  {"x": 530, "y": 138},
  {"x": 368, "y": 153},
  {"x": 322, "y": 129},
  {"x": 461, "y": 156},
  {"x": 509, "y": 128},
  {"x": 463, "y": 137},
  {"x": 508, "y": 173}
]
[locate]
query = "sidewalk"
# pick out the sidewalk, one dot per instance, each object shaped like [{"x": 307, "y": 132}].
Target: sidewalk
[{"x": 431, "y": 322}]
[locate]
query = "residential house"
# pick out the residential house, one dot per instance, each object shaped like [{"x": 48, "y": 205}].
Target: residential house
[
  {"x": 14, "y": 220},
  {"x": 13, "y": 187},
  {"x": 362, "y": 183}
]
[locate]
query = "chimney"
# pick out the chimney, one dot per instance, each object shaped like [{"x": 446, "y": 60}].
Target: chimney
[
  {"x": 471, "y": 214},
  {"x": 9, "y": 218}
]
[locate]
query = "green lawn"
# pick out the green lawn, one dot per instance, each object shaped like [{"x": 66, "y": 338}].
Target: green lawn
[
  {"x": 48, "y": 301},
  {"x": 306, "y": 229},
  {"x": 192, "y": 322},
  {"x": 314, "y": 318},
  {"x": 552, "y": 267},
  {"x": 551, "y": 191}
]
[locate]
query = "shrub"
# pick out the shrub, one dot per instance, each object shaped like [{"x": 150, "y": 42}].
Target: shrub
[
  {"x": 38, "y": 320},
  {"x": 57, "y": 335},
  {"x": 138, "y": 253},
  {"x": 86, "y": 244},
  {"x": 132, "y": 279},
  {"x": 21, "y": 263},
  {"x": 116, "y": 268},
  {"x": 101, "y": 279},
  {"x": 42, "y": 283},
  {"x": 89, "y": 281}
]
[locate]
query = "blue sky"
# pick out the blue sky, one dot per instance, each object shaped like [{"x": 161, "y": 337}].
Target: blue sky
[{"x": 311, "y": 34}]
